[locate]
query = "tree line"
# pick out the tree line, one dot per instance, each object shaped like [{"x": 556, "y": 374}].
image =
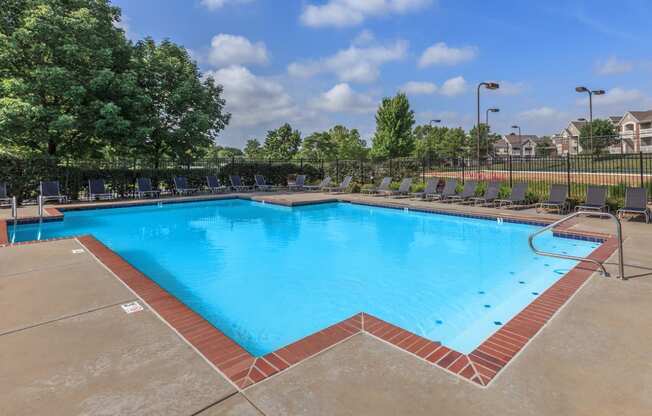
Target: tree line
[{"x": 396, "y": 135}]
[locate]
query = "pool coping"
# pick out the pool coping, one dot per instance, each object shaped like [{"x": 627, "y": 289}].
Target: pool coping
[{"x": 479, "y": 367}]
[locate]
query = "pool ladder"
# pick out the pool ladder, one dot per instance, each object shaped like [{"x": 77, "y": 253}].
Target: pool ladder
[{"x": 619, "y": 235}]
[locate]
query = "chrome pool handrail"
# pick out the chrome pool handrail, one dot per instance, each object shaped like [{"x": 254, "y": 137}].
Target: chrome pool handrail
[{"x": 619, "y": 234}]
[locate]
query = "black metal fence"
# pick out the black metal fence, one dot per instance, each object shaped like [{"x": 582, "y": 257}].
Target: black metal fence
[{"x": 576, "y": 172}]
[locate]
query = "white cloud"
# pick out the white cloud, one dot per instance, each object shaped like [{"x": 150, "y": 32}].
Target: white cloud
[
  {"x": 417, "y": 88},
  {"x": 618, "y": 96},
  {"x": 236, "y": 50},
  {"x": 342, "y": 98},
  {"x": 542, "y": 114},
  {"x": 511, "y": 88},
  {"x": 454, "y": 86},
  {"x": 342, "y": 13},
  {"x": 253, "y": 100},
  {"x": 218, "y": 4},
  {"x": 364, "y": 38},
  {"x": 442, "y": 54},
  {"x": 613, "y": 66},
  {"x": 355, "y": 64}
]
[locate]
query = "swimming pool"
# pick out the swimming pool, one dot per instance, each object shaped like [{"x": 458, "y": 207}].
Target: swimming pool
[{"x": 269, "y": 275}]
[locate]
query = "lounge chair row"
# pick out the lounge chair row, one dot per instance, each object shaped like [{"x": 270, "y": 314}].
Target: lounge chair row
[{"x": 596, "y": 200}]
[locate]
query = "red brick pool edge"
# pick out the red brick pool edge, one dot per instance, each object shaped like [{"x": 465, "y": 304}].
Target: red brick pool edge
[{"x": 243, "y": 369}]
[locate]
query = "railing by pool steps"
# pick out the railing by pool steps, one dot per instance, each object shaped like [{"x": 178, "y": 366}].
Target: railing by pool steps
[{"x": 619, "y": 235}]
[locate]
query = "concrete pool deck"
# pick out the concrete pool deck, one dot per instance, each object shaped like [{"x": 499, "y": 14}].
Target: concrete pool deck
[{"x": 68, "y": 345}]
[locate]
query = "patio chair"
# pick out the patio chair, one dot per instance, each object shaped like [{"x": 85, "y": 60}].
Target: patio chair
[
  {"x": 299, "y": 183},
  {"x": 97, "y": 190},
  {"x": 181, "y": 186},
  {"x": 50, "y": 191},
  {"x": 322, "y": 185},
  {"x": 430, "y": 189},
  {"x": 380, "y": 189},
  {"x": 262, "y": 185},
  {"x": 490, "y": 194},
  {"x": 468, "y": 191},
  {"x": 517, "y": 196},
  {"x": 4, "y": 197},
  {"x": 403, "y": 190},
  {"x": 557, "y": 199},
  {"x": 214, "y": 186},
  {"x": 596, "y": 199},
  {"x": 635, "y": 203},
  {"x": 144, "y": 188},
  {"x": 342, "y": 187},
  {"x": 237, "y": 185},
  {"x": 450, "y": 187}
]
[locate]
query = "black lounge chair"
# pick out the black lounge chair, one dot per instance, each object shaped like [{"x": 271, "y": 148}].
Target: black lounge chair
[
  {"x": 237, "y": 185},
  {"x": 50, "y": 191},
  {"x": 596, "y": 200},
  {"x": 299, "y": 183},
  {"x": 4, "y": 197},
  {"x": 213, "y": 184},
  {"x": 144, "y": 188},
  {"x": 262, "y": 185},
  {"x": 403, "y": 190},
  {"x": 558, "y": 199},
  {"x": 468, "y": 191},
  {"x": 517, "y": 197},
  {"x": 430, "y": 189},
  {"x": 490, "y": 194},
  {"x": 97, "y": 190},
  {"x": 450, "y": 189},
  {"x": 635, "y": 203},
  {"x": 181, "y": 186},
  {"x": 342, "y": 187},
  {"x": 380, "y": 189}
]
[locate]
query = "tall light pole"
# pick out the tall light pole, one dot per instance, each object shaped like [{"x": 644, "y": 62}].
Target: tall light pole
[
  {"x": 520, "y": 137},
  {"x": 490, "y": 110},
  {"x": 489, "y": 86},
  {"x": 591, "y": 93}
]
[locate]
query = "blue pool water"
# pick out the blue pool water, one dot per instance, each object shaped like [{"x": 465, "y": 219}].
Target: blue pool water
[{"x": 268, "y": 275}]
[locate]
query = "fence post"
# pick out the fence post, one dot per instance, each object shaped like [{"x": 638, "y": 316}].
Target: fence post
[
  {"x": 423, "y": 170},
  {"x": 568, "y": 174},
  {"x": 640, "y": 160},
  {"x": 510, "y": 172},
  {"x": 337, "y": 170},
  {"x": 464, "y": 170}
]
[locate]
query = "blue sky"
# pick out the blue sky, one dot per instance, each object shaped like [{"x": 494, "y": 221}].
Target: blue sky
[{"x": 315, "y": 63}]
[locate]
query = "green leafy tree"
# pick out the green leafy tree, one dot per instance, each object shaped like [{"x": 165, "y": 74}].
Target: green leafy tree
[
  {"x": 604, "y": 135},
  {"x": 453, "y": 145},
  {"x": 66, "y": 87},
  {"x": 282, "y": 143},
  {"x": 545, "y": 147},
  {"x": 487, "y": 140},
  {"x": 394, "y": 122},
  {"x": 348, "y": 143},
  {"x": 185, "y": 112},
  {"x": 319, "y": 146},
  {"x": 427, "y": 141},
  {"x": 253, "y": 149}
]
